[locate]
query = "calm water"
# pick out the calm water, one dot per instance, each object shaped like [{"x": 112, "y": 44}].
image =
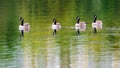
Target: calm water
[{"x": 40, "y": 49}]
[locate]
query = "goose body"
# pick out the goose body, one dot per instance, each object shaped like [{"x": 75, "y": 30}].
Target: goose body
[
  {"x": 98, "y": 24},
  {"x": 56, "y": 26},
  {"x": 25, "y": 27},
  {"x": 80, "y": 26}
]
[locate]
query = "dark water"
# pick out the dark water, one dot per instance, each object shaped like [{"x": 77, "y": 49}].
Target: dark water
[{"x": 40, "y": 49}]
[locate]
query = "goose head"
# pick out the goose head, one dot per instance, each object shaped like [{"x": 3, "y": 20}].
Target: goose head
[
  {"x": 21, "y": 18},
  {"x": 94, "y": 16}
]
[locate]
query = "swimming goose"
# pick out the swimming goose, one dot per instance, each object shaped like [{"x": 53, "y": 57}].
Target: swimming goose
[
  {"x": 80, "y": 26},
  {"x": 55, "y": 26},
  {"x": 23, "y": 27},
  {"x": 97, "y": 24}
]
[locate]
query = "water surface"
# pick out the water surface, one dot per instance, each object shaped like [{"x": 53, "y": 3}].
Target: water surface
[{"x": 40, "y": 49}]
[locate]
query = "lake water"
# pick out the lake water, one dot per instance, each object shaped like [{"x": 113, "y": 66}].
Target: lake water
[{"x": 40, "y": 49}]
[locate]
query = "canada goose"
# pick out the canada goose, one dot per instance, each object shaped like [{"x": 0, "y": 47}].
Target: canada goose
[
  {"x": 55, "y": 26},
  {"x": 79, "y": 26},
  {"x": 23, "y": 27},
  {"x": 97, "y": 24}
]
